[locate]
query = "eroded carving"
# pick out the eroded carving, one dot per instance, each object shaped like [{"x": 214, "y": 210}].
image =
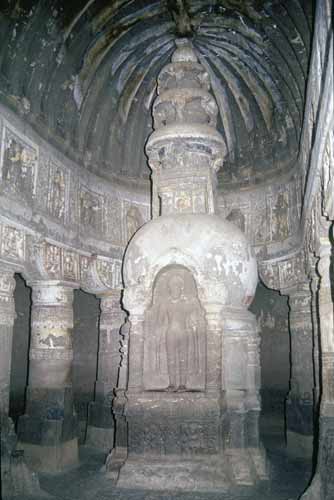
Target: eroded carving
[
  {"x": 12, "y": 243},
  {"x": 70, "y": 265},
  {"x": 134, "y": 220},
  {"x": 19, "y": 164},
  {"x": 52, "y": 259},
  {"x": 175, "y": 334},
  {"x": 91, "y": 206},
  {"x": 56, "y": 200}
]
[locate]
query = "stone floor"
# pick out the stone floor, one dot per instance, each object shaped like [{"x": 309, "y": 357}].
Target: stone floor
[{"x": 289, "y": 478}]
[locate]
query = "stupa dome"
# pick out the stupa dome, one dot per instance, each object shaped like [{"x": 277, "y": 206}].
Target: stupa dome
[{"x": 213, "y": 249}]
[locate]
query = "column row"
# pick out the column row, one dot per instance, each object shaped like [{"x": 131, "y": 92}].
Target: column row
[{"x": 48, "y": 431}]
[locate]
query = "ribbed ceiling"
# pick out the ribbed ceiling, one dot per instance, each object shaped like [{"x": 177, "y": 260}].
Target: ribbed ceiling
[{"x": 84, "y": 74}]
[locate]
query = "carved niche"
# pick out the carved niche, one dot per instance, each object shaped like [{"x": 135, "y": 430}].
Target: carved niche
[
  {"x": 175, "y": 333},
  {"x": 57, "y": 192},
  {"x": 279, "y": 215},
  {"x": 18, "y": 164},
  {"x": 91, "y": 210}
]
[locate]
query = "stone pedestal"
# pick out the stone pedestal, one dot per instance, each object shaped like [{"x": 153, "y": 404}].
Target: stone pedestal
[
  {"x": 100, "y": 429},
  {"x": 48, "y": 432},
  {"x": 300, "y": 403}
]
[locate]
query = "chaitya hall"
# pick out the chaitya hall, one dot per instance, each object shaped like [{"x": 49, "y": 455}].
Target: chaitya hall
[{"x": 166, "y": 232}]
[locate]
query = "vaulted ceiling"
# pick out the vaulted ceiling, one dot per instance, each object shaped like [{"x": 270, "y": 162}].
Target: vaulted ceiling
[{"x": 83, "y": 73}]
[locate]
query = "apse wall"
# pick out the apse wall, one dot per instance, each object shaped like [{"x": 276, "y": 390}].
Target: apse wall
[{"x": 55, "y": 217}]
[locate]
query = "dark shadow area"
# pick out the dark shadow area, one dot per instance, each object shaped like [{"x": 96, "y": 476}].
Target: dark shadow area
[
  {"x": 271, "y": 310},
  {"x": 86, "y": 312},
  {"x": 20, "y": 348}
]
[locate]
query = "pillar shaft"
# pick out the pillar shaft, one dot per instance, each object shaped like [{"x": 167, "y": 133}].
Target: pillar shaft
[
  {"x": 8, "y": 437},
  {"x": 316, "y": 337},
  {"x": 100, "y": 430},
  {"x": 7, "y": 316},
  {"x": 299, "y": 407},
  {"x": 214, "y": 348},
  {"x": 48, "y": 430},
  {"x": 242, "y": 382},
  {"x": 136, "y": 353},
  {"x": 326, "y": 329}
]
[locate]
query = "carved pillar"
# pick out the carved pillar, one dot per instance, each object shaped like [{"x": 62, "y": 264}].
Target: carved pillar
[
  {"x": 242, "y": 377},
  {"x": 299, "y": 404},
  {"x": 48, "y": 431},
  {"x": 136, "y": 352},
  {"x": 326, "y": 327},
  {"x": 16, "y": 479},
  {"x": 8, "y": 437},
  {"x": 326, "y": 420},
  {"x": 322, "y": 486},
  {"x": 7, "y": 316},
  {"x": 120, "y": 451},
  {"x": 214, "y": 347},
  {"x": 316, "y": 336},
  {"x": 100, "y": 430}
]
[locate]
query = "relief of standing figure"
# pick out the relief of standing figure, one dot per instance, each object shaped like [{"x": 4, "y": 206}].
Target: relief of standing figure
[{"x": 180, "y": 321}]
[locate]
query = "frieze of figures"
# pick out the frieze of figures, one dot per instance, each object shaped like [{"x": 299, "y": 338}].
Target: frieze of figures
[
  {"x": 285, "y": 273},
  {"x": 267, "y": 217},
  {"x": 40, "y": 183},
  {"x": 93, "y": 273},
  {"x": 38, "y": 258}
]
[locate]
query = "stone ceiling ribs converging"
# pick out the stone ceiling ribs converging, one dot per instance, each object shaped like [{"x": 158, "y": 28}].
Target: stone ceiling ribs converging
[{"x": 84, "y": 74}]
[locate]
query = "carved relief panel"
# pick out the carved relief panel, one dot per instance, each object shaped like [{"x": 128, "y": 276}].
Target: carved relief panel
[
  {"x": 279, "y": 215},
  {"x": 12, "y": 243},
  {"x": 18, "y": 162},
  {"x": 91, "y": 206},
  {"x": 58, "y": 192},
  {"x": 114, "y": 220},
  {"x": 175, "y": 334},
  {"x": 184, "y": 200}
]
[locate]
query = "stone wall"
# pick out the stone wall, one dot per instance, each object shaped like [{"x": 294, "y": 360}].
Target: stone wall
[
  {"x": 269, "y": 215},
  {"x": 53, "y": 207}
]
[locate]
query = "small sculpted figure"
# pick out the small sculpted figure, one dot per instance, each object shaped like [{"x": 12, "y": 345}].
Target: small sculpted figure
[{"x": 57, "y": 201}]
